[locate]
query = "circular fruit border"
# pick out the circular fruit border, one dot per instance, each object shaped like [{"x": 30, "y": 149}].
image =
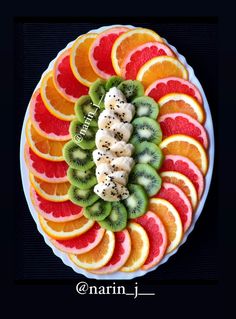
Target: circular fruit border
[{"x": 211, "y": 150}]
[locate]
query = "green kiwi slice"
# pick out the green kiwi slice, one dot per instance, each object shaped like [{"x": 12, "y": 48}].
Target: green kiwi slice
[
  {"x": 82, "y": 179},
  {"x": 113, "y": 81},
  {"x": 131, "y": 89},
  {"x": 83, "y": 134},
  {"x": 137, "y": 202},
  {"x": 86, "y": 112},
  {"x": 76, "y": 157},
  {"x": 117, "y": 218},
  {"x": 97, "y": 92},
  {"x": 148, "y": 153},
  {"x": 146, "y": 106},
  {"x": 146, "y": 175},
  {"x": 146, "y": 129},
  {"x": 98, "y": 211},
  {"x": 82, "y": 197}
]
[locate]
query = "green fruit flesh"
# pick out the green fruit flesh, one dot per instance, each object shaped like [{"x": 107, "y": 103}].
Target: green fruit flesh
[
  {"x": 148, "y": 153},
  {"x": 113, "y": 81},
  {"x": 83, "y": 134},
  {"x": 82, "y": 179},
  {"x": 117, "y": 219},
  {"x": 86, "y": 112},
  {"x": 131, "y": 89},
  {"x": 97, "y": 92},
  {"x": 146, "y": 106},
  {"x": 98, "y": 211},
  {"x": 76, "y": 157},
  {"x": 82, "y": 197},
  {"x": 137, "y": 202},
  {"x": 146, "y": 129}
]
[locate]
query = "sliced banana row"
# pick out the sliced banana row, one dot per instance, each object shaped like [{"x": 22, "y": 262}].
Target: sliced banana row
[{"x": 113, "y": 154}]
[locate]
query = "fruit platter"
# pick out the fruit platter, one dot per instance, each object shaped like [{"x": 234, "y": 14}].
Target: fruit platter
[{"x": 117, "y": 152}]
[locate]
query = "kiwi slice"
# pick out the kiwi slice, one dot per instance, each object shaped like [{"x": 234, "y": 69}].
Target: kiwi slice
[
  {"x": 76, "y": 157},
  {"x": 98, "y": 211},
  {"x": 146, "y": 129},
  {"x": 146, "y": 175},
  {"x": 148, "y": 153},
  {"x": 83, "y": 134},
  {"x": 146, "y": 106},
  {"x": 137, "y": 202},
  {"x": 86, "y": 112},
  {"x": 82, "y": 197},
  {"x": 117, "y": 218},
  {"x": 82, "y": 179},
  {"x": 131, "y": 89},
  {"x": 113, "y": 81},
  {"x": 97, "y": 92}
]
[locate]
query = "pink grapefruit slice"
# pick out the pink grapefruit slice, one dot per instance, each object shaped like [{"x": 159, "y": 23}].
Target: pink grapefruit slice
[
  {"x": 45, "y": 123},
  {"x": 157, "y": 238},
  {"x": 179, "y": 200},
  {"x": 120, "y": 255},
  {"x": 140, "y": 55},
  {"x": 186, "y": 167},
  {"x": 168, "y": 85},
  {"x": 100, "y": 52},
  {"x": 65, "y": 81},
  {"x": 83, "y": 243},
  {"x": 55, "y": 211},
  {"x": 48, "y": 171},
  {"x": 180, "y": 123}
]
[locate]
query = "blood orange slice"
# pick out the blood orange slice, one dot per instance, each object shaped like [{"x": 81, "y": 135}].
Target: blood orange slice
[
  {"x": 55, "y": 211},
  {"x": 64, "y": 79},
  {"x": 186, "y": 167},
  {"x": 157, "y": 238},
  {"x": 100, "y": 52},
  {"x": 140, "y": 55},
  {"x": 168, "y": 85},
  {"x": 120, "y": 255},
  {"x": 180, "y": 123},
  {"x": 48, "y": 171},
  {"x": 179, "y": 200},
  {"x": 82, "y": 243}
]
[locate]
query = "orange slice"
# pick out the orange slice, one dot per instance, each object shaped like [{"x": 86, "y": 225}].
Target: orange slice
[
  {"x": 79, "y": 59},
  {"x": 161, "y": 67},
  {"x": 186, "y": 146},
  {"x": 98, "y": 256},
  {"x": 171, "y": 220},
  {"x": 43, "y": 147},
  {"x": 139, "y": 247},
  {"x": 54, "y": 101},
  {"x": 181, "y": 103},
  {"x": 55, "y": 192},
  {"x": 183, "y": 183},
  {"x": 126, "y": 42},
  {"x": 65, "y": 230}
]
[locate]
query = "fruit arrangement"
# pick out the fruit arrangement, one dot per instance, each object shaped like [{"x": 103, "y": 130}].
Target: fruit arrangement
[{"x": 116, "y": 151}]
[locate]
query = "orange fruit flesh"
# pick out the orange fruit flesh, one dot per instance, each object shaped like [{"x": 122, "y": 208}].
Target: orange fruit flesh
[
  {"x": 136, "y": 248},
  {"x": 57, "y": 101},
  {"x": 57, "y": 189},
  {"x": 177, "y": 107},
  {"x": 68, "y": 226}
]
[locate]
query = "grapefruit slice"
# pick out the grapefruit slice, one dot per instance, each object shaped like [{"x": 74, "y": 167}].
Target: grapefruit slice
[
  {"x": 157, "y": 238},
  {"x": 65, "y": 81},
  {"x": 55, "y": 192},
  {"x": 55, "y": 211},
  {"x": 173, "y": 85},
  {"x": 180, "y": 123},
  {"x": 140, "y": 55},
  {"x": 161, "y": 67},
  {"x": 81, "y": 244},
  {"x": 139, "y": 247},
  {"x": 45, "y": 123},
  {"x": 65, "y": 230},
  {"x": 181, "y": 103},
  {"x": 48, "y": 171},
  {"x": 98, "y": 256},
  {"x": 120, "y": 255},
  {"x": 56, "y": 104},
  {"x": 42, "y": 146},
  {"x": 174, "y": 195},
  {"x": 79, "y": 59},
  {"x": 183, "y": 183},
  {"x": 186, "y": 167},
  {"x": 129, "y": 40},
  {"x": 184, "y": 145},
  {"x": 170, "y": 219},
  {"x": 100, "y": 52}
]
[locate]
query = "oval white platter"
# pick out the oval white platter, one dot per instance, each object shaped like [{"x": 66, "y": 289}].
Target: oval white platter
[{"x": 26, "y": 184}]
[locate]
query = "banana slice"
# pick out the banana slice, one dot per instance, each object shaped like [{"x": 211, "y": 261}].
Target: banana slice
[
  {"x": 107, "y": 118},
  {"x": 120, "y": 177},
  {"x": 104, "y": 139},
  {"x": 123, "y": 163},
  {"x": 101, "y": 157},
  {"x": 122, "y": 149},
  {"x": 113, "y": 97},
  {"x": 122, "y": 131},
  {"x": 111, "y": 191}
]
